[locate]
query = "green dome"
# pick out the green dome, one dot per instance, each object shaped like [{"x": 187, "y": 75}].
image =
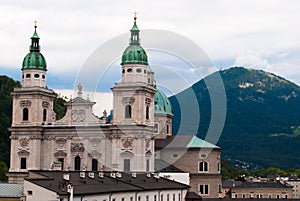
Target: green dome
[
  {"x": 134, "y": 54},
  {"x": 34, "y": 60},
  {"x": 162, "y": 103}
]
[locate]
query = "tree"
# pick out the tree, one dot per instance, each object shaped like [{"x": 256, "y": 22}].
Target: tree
[{"x": 3, "y": 171}]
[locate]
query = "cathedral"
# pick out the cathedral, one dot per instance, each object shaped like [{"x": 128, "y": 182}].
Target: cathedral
[{"x": 137, "y": 137}]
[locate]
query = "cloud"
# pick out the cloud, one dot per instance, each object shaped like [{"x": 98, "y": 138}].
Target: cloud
[{"x": 71, "y": 30}]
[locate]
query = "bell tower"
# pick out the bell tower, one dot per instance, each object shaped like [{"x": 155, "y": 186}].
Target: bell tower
[
  {"x": 32, "y": 110},
  {"x": 133, "y": 116}
]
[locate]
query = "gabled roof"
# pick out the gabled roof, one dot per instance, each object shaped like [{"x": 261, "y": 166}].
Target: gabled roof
[
  {"x": 196, "y": 142},
  {"x": 11, "y": 190},
  {"x": 183, "y": 142}
]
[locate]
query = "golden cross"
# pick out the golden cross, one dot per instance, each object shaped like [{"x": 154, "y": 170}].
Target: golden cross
[
  {"x": 135, "y": 15},
  {"x": 35, "y": 23}
]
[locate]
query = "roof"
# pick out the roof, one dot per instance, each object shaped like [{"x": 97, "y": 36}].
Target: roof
[
  {"x": 11, "y": 190},
  {"x": 192, "y": 196},
  {"x": 102, "y": 185},
  {"x": 262, "y": 185},
  {"x": 230, "y": 183},
  {"x": 134, "y": 54},
  {"x": 183, "y": 141},
  {"x": 163, "y": 166},
  {"x": 162, "y": 103}
]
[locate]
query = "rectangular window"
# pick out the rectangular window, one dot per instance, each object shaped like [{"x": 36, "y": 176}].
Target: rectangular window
[
  {"x": 155, "y": 128},
  {"x": 139, "y": 198},
  {"x": 179, "y": 197},
  {"x": 23, "y": 163},
  {"x": 204, "y": 189},
  {"x": 147, "y": 197},
  {"x": 131, "y": 198},
  {"x": 126, "y": 165},
  {"x": 161, "y": 197},
  {"x": 244, "y": 196},
  {"x": 155, "y": 199},
  {"x": 173, "y": 197},
  {"x": 168, "y": 197},
  {"x": 123, "y": 199},
  {"x": 62, "y": 163},
  {"x": 147, "y": 165},
  {"x": 29, "y": 192}
]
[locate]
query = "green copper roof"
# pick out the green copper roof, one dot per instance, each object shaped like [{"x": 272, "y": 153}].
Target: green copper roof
[
  {"x": 134, "y": 53},
  {"x": 134, "y": 27},
  {"x": 149, "y": 69},
  {"x": 196, "y": 142},
  {"x": 162, "y": 103},
  {"x": 34, "y": 59}
]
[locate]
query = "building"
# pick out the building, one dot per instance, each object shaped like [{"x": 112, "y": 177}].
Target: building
[
  {"x": 11, "y": 192},
  {"x": 101, "y": 186},
  {"x": 80, "y": 141},
  {"x": 294, "y": 181},
  {"x": 265, "y": 190}
]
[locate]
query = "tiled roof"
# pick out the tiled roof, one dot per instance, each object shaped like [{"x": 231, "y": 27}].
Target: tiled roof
[
  {"x": 231, "y": 183},
  {"x": 11, "y": 190},
  {"x": 102, "y": 185},
  {"x": 262, "y": 185},
  {"x": 183, "y": 141}
]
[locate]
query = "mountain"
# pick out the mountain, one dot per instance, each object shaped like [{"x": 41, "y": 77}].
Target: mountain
[
  {"x": 262, "y": 116},
  {"x": 7, "y": 85}
]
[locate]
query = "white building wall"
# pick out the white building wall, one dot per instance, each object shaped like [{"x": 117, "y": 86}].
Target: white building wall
[{"x": 38, "y": 193}]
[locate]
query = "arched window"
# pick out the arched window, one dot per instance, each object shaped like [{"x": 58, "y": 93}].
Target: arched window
[
  {"x": 168, "y": 129},
  {"x": 147, "y": 112},
  {"x": 94, "y": 164},
  {"x": 77, "y": 163},
  {"x": 128, "y": 111},
  {"x": 25, "y": 114},
  {"x": 203, "y": 166},
  {"x": 44, "y": 114}
]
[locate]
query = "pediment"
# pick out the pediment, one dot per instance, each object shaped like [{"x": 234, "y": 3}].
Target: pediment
[
  {"x": 23, "y": 153},
  {"x": 148, "y": 153},
  {"x": 60, "y": 153},
  {"x": 127, "y": 154},
  {"x": 95, "y": 154}
]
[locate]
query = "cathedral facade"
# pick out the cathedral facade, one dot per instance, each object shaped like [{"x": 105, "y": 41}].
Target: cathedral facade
[{"x": 140, "y": 125}]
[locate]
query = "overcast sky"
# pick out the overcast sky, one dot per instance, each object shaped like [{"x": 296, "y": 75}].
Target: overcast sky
[{"x": 255, "y": 33}]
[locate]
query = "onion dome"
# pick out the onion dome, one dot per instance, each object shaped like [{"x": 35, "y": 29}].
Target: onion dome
[
  {"x": 162, "y": 103},
  {"x": 34, "y": 59},
  {"x": 134, "y": 53}
]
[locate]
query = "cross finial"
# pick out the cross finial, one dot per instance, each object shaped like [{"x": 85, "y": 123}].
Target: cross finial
[
  {"x": 134, "y": 17},
  {"x": 35, "y": 24}
]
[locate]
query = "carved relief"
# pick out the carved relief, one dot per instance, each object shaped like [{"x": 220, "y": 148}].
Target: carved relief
[
  {"x": 127, "y": 144},
  {"x": 148, "y": 141},
  {"x": 77, "y": 147},
  {"x": 25, "y": 103},
  {"x": 14, "y": 137},
  {"x": 78, "y": 115},
  {"x": 45, "y": 104},
  {"x": 24, "y": 142},
  {"x": 35, "y": 137},
  {"x": 148, "y": 101},
  {"x": 61, "y": 140},
  {"x": 128, "y": 100},
  {"x": 23, "y": 153},
  {"x": 60, "y": 153}
]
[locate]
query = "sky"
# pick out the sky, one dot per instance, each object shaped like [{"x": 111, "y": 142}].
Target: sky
[{"x": 251, "y": 33}]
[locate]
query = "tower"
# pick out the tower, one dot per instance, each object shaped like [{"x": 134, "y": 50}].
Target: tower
[
  {"x": 32, "y": 109},
  {"x": 133, "y": 117}
]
